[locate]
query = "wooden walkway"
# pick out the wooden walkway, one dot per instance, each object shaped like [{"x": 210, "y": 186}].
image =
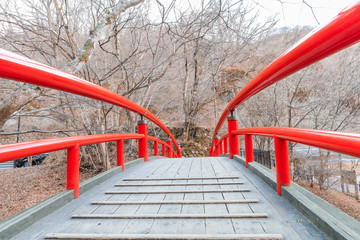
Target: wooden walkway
[{"x": 187, "y": 198}]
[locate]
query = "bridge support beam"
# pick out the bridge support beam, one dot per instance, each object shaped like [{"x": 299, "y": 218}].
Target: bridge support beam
[
  {"x": 282, "y": 163},
  {"x": 249, "y": 154},
  {"x": 143, "y": 143},
  {"x": 233, "y": 139},
  {"x": 225, "y": 145},
  {"x": 120, "y": 154},
  {"x": 169, "y": 153},
  {"x": 72, "y": 174}
]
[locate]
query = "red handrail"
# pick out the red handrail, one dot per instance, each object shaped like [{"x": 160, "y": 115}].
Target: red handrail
[
  {"x": 15, "y": 67},
  {"x": 14, "y": 151},
  {"x": 341, "y": 32},
  {"x": 342, "y": 142},
  {"x": 223, "y": 137},
  {"x": 156, "y": 140},
  {"x": 346, "y": 143}
]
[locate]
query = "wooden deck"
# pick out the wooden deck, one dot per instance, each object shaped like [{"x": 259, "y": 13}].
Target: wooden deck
[{"x": 187, "y": 198}]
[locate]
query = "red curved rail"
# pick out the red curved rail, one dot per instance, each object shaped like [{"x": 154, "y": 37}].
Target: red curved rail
[
  {"x": 341, "y": 32},
  {"x": 154, "y": 139},
  {"x": 223, "y": 137},
  {"x": 166, "y": 147},
  {"x": 15, "y": 67},
  {"x": 346, "y": 143},
  {"x": 14, "y": 151}
]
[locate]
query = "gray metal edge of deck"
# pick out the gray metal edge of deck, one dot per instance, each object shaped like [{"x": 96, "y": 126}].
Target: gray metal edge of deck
[
  {"x": 24, "y": 219},
  {"x": 333, "y": 222}
]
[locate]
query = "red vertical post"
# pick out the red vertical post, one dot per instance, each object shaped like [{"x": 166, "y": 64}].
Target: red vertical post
[
  {"x": 163, "y": 150},
  {"x": 210, "y": 151},
  {"x": 156, "y": 148},
  {"x": 233, "y": 139},
  {"x": 249, "y": 154},
  {"x": 120, "y": 153},
  {"x": 282, "y": 163},
  {"x": 179, "y": 154},
  {"x": 143, "y": 143},
  {"x": 169, "y": 147},
  {"x": 217, "y": 148},
  {"x": 225, "y": 145},
  {"x": 72, "y": 174},
  {"x": 221, "y": 148}
]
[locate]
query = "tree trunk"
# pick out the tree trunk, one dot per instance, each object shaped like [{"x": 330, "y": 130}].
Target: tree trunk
[{"x": 22, "y": 96}]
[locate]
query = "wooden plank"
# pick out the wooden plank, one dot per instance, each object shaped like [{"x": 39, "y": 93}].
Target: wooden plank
[
  {"x": 239, "y": 225},
  {"x": 271, "y": 203},
  {"x": 240, "y": 201},
  {"x": 143, "y": 225},
  {"x": 177, "y": 178},
  {"x": 164, "y": 236},
  {"x": 193, "y": 225},
  {"x": 170, "y": 226},
  {"x": 118, "y": 226},
  {"x": 177, "y": 191},
  {"x": 216, "y": 226},
  {"x": 177, "y": 184}
]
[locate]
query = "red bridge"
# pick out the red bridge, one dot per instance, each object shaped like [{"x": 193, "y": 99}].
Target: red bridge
[{"x": 169, "y": 197}]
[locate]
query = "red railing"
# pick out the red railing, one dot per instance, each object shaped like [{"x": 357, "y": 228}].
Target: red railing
[
  {"x": 343, "y": 31},
  {"x": 346, "y": 143},
  {"x": 15, "y": 67},
  {"x": 21, "y": 69}
]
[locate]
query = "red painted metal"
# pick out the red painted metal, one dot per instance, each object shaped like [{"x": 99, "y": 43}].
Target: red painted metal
[
  {"x": 221, "y": 148},
  {"x": 156, "y": 148},
  {"x": 154, "y": 139},
  {"x": 15, "y": 67},
  {"x": 346, "y": 143},
  {"x": 14, "y": 151},
  {"x": 180, "y": 153},
  {"x": 282, "y": 163},
  {"x": 143, "y": 143},
  {"x": 233, "y": 139},
  {"x": 341, "y": 32},
  {"x": 72, "y": 173},
  {"x": 249, "y": 155},
  {"x": 217, "y": 148},
  {"x": 210, "y": 152},
  {"x": 225, "y": 145},
  {"x": 169, "y": 148},
  {"x": 163, "y": 150},
  {"x": 120, "y": 153}
]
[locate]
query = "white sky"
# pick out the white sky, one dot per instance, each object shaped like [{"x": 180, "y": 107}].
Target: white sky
[
  {"x": 295, "y": 12},
  {"x": 289, "y": 12}
]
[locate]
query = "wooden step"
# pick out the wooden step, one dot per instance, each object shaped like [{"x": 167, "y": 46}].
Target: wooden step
[
  {"x": 174, "y": 179},
  {"x": 176, "y": 202},
  {"x": 178, "y": 191},
  {"x": 178, "y": 184},
  {"x": 76, "y": 236},
  {"x": 168, "y": 216}
]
